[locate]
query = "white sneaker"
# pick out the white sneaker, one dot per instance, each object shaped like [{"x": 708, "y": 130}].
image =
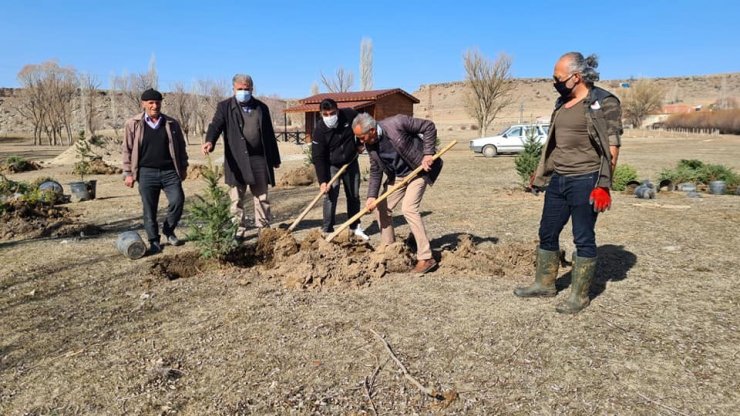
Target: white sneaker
[{"x": 360, "y": 233}]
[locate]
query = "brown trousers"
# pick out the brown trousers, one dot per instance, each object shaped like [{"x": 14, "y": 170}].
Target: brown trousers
[
  {"x": 258, "y": 189},
  {"x": 410, "y": 198}
]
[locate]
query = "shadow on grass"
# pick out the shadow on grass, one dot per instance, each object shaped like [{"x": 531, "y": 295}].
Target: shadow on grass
[{"x": 614, "y": 262}]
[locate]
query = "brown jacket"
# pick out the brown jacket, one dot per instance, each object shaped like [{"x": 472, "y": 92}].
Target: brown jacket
[
  {"x": 133, "y": 133},
  {"x": 604, "y": 123}
]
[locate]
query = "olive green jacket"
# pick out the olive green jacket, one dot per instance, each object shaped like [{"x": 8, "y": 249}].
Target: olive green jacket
[{"x": 604, "y": 124}]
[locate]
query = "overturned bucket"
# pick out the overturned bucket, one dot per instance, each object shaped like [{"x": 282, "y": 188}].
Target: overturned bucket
[{"x": 131, "y": 245}]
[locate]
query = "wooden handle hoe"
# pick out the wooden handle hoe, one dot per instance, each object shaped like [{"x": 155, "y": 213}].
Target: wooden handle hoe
[
  {"x": 387, "y": 193},
  {"x": 316, "y": 199}
]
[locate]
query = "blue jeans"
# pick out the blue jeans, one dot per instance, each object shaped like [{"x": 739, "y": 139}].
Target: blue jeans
[
  {"x": 151, "y": 182},
  {"x": 351, "y": 181},
  {"x": 567, "y": 197}
]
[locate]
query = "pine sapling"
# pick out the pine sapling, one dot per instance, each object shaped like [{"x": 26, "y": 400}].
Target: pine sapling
[
  {"x": 212, "y": 228},
  {"x": 527, "y": 161}
]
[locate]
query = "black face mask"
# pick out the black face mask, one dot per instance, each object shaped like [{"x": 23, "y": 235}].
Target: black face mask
[{"x": 562, "y": 89}]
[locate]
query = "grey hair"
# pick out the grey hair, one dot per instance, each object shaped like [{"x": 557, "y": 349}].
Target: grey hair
[
  {"x": 584, "y": 66},
  {"x": 242, "y": 78},
  {"x": 364, "y": 120}
]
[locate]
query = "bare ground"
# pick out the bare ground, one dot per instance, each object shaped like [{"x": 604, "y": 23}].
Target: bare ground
[{"x": 86, "y": 331}]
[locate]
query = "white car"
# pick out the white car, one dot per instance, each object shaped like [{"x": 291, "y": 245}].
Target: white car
[{"x": 511, "y": 140}]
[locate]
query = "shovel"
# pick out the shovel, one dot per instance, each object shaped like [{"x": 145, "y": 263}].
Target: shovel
[
  {"x": 387, "y": 193},
  {"x": 316, "y": 199}
]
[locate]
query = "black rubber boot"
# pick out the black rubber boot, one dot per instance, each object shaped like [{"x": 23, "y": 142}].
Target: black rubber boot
[
  {"x": 544, "y": 280},
  {"x": 583, "y": 272}
]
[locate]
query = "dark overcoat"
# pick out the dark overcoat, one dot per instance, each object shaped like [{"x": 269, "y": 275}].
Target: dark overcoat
[{"x": 229, "y": 121}]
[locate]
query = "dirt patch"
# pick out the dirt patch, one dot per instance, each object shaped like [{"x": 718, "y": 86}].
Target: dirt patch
[
  {"x": 502, "y": 260},
  {"x": 348, "y": 262},
  {"x": 178, "y": 266},
  {"x": 23, "y": 221},
  {"x": 16, "y": 166},
  {"x": 196, "y": 171},
  {"x": 233, "y": 341},
  {"x": 301, "y": 176},
  {"x": 99, "y": 167},
  {"x": 315, "y": 264}
]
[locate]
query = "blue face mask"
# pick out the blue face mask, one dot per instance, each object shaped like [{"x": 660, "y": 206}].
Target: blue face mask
[{"x": 243, "y": 96}]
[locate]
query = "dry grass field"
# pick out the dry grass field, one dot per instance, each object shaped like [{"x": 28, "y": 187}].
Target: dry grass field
[{"x": 86, "y": 331}]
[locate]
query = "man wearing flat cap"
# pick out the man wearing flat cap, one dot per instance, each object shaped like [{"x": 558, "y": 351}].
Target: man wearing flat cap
[{"x": 154, "y": 154}]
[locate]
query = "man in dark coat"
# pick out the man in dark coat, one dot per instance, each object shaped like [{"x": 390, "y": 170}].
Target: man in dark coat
[
  {"x": 333, "y": 145},
  {"x": 251, "y": 153}
]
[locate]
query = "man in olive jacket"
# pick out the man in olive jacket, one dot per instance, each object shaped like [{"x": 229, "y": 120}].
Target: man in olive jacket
[
  {"x": 575, "y": 170},
  {"x": 251, "y": 153}
]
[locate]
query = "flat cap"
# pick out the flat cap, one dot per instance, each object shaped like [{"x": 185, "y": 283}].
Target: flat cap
[{"x": 151, "y": 95}]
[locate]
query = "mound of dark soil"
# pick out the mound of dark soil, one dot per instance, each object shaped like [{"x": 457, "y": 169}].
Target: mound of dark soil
[
  {"x": 21, "y": 220},
  {"x": 181, "y": 265},
  {"x": 503, "y": 260},
  {"x": 19, "y": 166},
  {"x": 302, "y": 176},
  {"x": 99, "y": 167}
]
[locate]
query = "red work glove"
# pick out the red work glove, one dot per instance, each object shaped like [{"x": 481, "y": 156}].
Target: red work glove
[{"x": 600, "y": 199}]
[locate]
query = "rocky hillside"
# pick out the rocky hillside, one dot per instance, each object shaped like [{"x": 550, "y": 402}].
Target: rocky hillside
[{"x": 444, "y": 103}]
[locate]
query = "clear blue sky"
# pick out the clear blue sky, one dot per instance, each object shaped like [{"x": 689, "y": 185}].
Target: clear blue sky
[{"x": 285, "y": 45}]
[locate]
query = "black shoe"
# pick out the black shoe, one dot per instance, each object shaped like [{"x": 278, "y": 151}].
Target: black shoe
[
  {"x": 173, "y": 240},
  {"x": 154, "y": 248}
]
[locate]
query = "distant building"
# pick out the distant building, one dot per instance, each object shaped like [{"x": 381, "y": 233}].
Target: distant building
[
  {"x": 677, "y": 108},
  {"x": 378, "y": 103},
  {"x": 656, "y": 119}
]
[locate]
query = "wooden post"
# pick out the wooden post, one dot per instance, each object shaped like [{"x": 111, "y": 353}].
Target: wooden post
[{"x": 387, "y": 193}]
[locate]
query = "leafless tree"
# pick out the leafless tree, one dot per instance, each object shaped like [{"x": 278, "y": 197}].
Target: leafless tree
[
  {"x": 489, "y": 85},
  {"x": 130, "y": 87},
  {"x": 366, "y": 64},
  {"x": 207, "y": 94},
  {"x": 62, "y": 86},
  {"x": 50, "y": 95},
  {"x": 314, "y": 88},
  {"x": 151, "y": 73},
  {"x": 640, "y": 99},
  {"x": 32, "y": 104},
  {"x": 115, "y": 117},
  {"x": 181, "y": 105},
  {"x": 277, "y": 107},
  {"x": 674, "y": 95},
  {"x": 342, "y": 81},
  {"x": 89, "y": 86}
]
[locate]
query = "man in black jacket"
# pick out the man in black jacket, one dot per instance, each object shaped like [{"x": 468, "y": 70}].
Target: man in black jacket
[
  {"x": 333, "y": 145},
  {"x": 251, "y": 152}
]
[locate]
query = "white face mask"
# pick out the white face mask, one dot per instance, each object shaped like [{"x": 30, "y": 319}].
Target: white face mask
[
  {"x": 331, "y": 121},
  {"x": 243, "y": 96}
]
